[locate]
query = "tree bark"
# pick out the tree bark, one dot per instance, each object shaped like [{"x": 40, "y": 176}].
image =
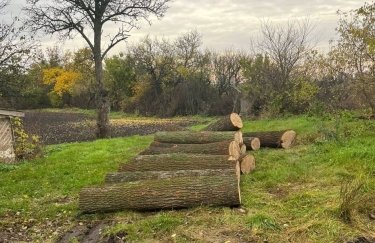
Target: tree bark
[
  {"x": 119, "y": 177},
  {"x": 173, "y": 162},
  {"x": 273, "y": 139},
  {"x": 247, "y": 164},
  {"x": 188, "y": 137},
  {"x": 102, "y": 101},
  {"x": 231, "y": 122},
  {"x": 183, "y": 192},
  {"x": 228, "y": 147},
  {"x": 252, "y": 143}
]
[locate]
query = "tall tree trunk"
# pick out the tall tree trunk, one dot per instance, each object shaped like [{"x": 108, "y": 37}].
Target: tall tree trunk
[{"x": 103, "y": 103}]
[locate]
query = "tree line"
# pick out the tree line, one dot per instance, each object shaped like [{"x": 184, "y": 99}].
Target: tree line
[{"x": 281, "y": 73}]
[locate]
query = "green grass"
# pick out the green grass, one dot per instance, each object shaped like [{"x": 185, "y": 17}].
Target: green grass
[
  {"x": 49, "y": 186},
  {"x": 292, "y": 196}
]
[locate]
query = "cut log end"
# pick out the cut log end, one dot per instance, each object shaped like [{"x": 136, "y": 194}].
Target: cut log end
[
  {"x": 243, "y": 149},
  {"x": 236, "y": 120},
  {"x": 255, "y": 144},
  {"x": 238, "y": 170},
  {"x": 238, "y": 174},
  {"x": 288, "y": 138},
  {"x": 238, "y": 137},
  {"x": 247, "y": 164},
  {"x": 234, "y": 150},
  {"x": 252, "y": 143},
  {"x": 230, "y": 122}
]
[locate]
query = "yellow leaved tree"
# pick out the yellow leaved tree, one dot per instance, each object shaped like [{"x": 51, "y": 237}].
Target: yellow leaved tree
[{"x": 62, "y": 80}]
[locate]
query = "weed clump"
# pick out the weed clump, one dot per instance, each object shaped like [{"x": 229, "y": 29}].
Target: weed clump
[
  {"x": 357, "y": 205},
  {"x": 260, "y": 221},
  {"x": 351, "y": 196}
]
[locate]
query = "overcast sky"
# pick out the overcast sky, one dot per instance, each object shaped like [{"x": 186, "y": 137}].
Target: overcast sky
[{"x": 227, "y": 24}]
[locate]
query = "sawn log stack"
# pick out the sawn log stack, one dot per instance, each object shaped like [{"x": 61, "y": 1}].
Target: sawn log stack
[{"x": 183, "y": 169}]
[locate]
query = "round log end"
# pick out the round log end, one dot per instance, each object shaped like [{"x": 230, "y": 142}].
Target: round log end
[
  {"x": 288, "y": 138},
  {"x": 238, "y": 170},
  {"x": 238, "y": 137},
  {"x": 234, "y": 150},
  {"x": 243, "y": 149},
  {"x": 236, "y": 120},
  {"x": 255, "y": 144},
  {"x": 238, "y": 174},
  {"x": 247, "y": 164}
]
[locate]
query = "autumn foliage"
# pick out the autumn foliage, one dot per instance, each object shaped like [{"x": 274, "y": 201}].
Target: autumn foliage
[{"x": 62, "y": 80}]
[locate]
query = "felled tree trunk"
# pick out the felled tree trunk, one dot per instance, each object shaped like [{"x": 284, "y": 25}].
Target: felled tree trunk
[
  {"x": 174, "y": 162},
  {"x": 118, "y": 177},
  {"x": 247, "y": 164},
  {"x": 188, "y": 137},
  {"x": 182, "y": 192},
  {"x": 231, "y": 122},
  {"x": 230, "y": 148},
  {"x": 252, "y": 143},
  {"x": 274, "y": 139}
]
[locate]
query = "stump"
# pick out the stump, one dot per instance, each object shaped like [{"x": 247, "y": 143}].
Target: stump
[
  {"x": 230, "y": 148},
  {"x": 188, "y": 137},
  {"x": 252, "y": 143},
  {"x": 274, "y": 139},
  {"x": 231, "y": 122},
  {"x": 174, "y": 162},
  {"x": 174, "y": 193},
  {"x": 247, "y": 164}
]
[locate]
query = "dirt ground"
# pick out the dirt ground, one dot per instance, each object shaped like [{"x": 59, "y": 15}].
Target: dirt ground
[{"x": 62, "y": 127}]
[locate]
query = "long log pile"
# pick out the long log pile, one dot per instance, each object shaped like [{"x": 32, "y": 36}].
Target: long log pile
[{"x": 185, "y": 169}]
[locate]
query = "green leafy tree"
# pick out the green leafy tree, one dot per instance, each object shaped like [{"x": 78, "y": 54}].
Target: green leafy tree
[
  {"x": 120, "y": 78},
  {"x": 355, "y": 49}
]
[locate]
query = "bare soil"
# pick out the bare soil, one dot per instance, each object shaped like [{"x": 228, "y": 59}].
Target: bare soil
[{"x": 63, "y": 127}]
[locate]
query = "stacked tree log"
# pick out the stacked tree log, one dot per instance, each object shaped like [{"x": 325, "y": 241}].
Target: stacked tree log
[
  {"x": 184, "y": 169},
  {"x": 272, "y": 139},
  {"x": 178, "y": 170}
]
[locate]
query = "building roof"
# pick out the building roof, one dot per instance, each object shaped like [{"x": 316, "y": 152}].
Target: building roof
[{"x": 11, "y": 113}]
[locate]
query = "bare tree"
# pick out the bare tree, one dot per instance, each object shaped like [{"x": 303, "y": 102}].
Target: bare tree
[
  {"x": 285, "y": 45},
  {"x": 13, "y": 44},
  {"x": 88, "y": 18},
  {"x": 227, "y": 73},
  {"x": 227, "y": 67},
  {"x": 187, "y": 48}
]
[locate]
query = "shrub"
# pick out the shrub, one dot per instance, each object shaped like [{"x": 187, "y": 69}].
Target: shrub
[
  {"x": 55, "y": 100},
  {"x": 27, "y": 146}
]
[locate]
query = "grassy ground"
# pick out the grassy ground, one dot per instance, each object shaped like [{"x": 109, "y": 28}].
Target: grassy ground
[{"x": 293, "y": 196}]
